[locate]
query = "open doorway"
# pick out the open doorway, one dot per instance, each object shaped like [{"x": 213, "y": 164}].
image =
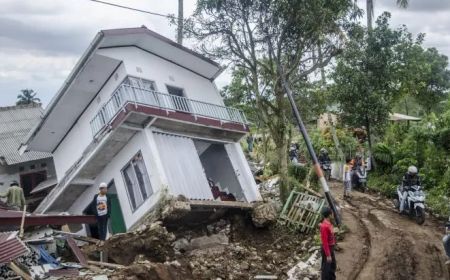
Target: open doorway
[
  {"x": 219, "y": 171},
  {"x": 179, "y": 103},
  {"x": 29, "y": 181}
]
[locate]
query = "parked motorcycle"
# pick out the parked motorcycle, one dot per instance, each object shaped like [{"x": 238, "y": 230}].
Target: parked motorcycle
[
  {"x": 414, "y": 203},
  {"x": 360, "y": 178},
  {"x": 326, "y": 168}
]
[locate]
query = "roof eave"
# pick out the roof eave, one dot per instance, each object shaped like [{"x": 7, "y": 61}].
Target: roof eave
[{"x": 76, "y": 70}]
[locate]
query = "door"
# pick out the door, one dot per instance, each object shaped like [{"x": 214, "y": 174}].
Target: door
[
  {"x": 117, "y": 222},
  {"x": 179, "y": 102}
]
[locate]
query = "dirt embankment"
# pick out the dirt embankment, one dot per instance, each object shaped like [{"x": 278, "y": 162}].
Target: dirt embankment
[{"x": 382, "y": 245}]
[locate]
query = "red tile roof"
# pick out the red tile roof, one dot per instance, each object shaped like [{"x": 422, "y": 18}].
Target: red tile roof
[{"x": 11, "y": 247}]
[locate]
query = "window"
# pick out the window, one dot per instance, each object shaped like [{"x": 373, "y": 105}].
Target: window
[{"x": 137, "y": 181}]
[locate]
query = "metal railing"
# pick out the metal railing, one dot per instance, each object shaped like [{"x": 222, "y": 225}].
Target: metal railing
[{"x": 136, "y": 95}]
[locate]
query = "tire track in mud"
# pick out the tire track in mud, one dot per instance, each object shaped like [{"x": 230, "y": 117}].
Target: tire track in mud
[{"x": 382, "y": 245}]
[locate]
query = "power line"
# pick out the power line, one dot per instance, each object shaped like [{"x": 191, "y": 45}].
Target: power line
[{"x": 134, "y": 9}]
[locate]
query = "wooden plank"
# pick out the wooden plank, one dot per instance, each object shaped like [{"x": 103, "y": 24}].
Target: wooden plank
[
  {"x": 22, "y": 223},
  {"x": 78, "y": 237},
  {"x": 77, "y": 252}
]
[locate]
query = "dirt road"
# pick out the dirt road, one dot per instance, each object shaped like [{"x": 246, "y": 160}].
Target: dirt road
[{"x": 382, "y": 245}]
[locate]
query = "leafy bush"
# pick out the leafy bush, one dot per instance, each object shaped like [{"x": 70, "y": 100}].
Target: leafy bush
[
  {"x": 385, "y": 184},
  {"x": 383, "y": 156},
  {"x": 298, "y": 172}
]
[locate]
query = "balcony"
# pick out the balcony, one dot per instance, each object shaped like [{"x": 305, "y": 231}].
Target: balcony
[{"x": 129, "y": 98}]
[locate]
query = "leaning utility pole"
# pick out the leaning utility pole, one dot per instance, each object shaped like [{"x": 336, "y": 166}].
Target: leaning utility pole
[
  {"x": 180, "y": 23},
  {"x": 310, "y": 148}
]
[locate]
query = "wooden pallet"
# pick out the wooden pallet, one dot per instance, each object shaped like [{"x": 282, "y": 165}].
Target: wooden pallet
[{"x": 301, "y": 211}]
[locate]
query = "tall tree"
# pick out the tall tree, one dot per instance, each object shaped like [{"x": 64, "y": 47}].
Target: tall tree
[
  {"x": 367, "y": 75},
  {"x": 370, "y": 10},
  {"x": 27, "y": 96},
  {"x": 271, "y": 40}
]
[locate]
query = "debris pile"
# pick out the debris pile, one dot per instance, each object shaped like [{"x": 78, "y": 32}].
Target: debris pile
[
  {"x": 152, "y": 241},
  {"x": 237, "y": 244}
]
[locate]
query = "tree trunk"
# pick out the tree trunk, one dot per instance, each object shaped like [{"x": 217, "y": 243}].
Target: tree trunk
[
  {"x": 282, "y": 152},
  {"x": 369, "y": 12},
  {"x": 369, "y": 141},
  {"x": 180, "y": 23}
]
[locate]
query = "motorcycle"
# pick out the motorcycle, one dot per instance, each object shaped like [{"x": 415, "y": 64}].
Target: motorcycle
[
  {"x": 326, "y": 168},
  {"x": 414, "y": 203},
  {"x": 360, "y": 178}
]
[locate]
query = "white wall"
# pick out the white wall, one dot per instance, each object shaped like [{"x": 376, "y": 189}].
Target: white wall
[
  {"x": 163, "y": 73},
  {"x": 80, "y": 136},
  {"x": 113, "y": 172}
]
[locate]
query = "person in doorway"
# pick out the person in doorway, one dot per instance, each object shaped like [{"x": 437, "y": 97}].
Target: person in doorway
[
  {"x": 328, "y": 267},
  {"x": 250, "y": 141},
  {"x": 101, "y": 204},
  {"x": 14, "y": 196},
  {"x": 410, "y": 179},
  {"x": 347, "y": 178}
]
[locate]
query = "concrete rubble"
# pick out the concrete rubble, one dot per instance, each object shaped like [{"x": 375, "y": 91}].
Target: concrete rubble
[{"x": 235, "y": 245}]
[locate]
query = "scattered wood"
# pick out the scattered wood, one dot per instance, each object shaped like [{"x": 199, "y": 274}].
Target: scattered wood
[
  {"x": 19, "y": 271},
  {"x": 105, "y": 264},
  {"x": 77, "y": 252}
]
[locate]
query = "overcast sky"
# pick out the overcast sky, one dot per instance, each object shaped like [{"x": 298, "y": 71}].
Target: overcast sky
[{"x": 41, "y": 40}]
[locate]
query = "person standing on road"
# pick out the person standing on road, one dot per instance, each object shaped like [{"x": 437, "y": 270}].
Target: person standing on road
[
  {"x": 328, "y": 267},
  {"x": 14, "y": 196},
  {"x": 101, "y": 204},
  {"x": 347, "y": 178}
]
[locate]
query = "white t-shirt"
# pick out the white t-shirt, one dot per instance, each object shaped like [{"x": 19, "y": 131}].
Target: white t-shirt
[{"x": 102, "y": 205}]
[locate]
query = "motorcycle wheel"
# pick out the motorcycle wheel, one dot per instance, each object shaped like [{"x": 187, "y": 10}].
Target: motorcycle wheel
[{"x": 420, "y": 216}]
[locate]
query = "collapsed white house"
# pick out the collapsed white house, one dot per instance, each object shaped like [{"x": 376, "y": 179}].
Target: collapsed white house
[{"x": 143, "y": 114}]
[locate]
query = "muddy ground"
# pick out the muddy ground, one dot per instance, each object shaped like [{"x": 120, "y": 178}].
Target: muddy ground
[{"x": 383, "y": 245}]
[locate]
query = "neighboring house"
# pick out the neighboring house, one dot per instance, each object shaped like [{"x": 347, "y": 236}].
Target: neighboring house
[
  {"x": 142, "y": 114},
  {"x": 33, "y": 170}
]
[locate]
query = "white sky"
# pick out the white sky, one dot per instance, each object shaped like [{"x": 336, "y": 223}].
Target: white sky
[{"x": 41, "y": 40}]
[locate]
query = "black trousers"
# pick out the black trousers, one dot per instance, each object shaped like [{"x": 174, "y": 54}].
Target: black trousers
[
  {"x": 102, "y": 223},
  {"x": 328, "y": 270}
]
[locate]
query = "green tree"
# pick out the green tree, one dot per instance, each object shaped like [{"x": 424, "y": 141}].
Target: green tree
[
  {"x": 366, "y": 75},
  {"x": 27, "y": 96},
  {"x": 271, "y": 40},
  {"x": 424, "y": 77}
]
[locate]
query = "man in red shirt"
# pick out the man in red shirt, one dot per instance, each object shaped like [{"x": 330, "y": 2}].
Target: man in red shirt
[{"x": 328, "y": 268}]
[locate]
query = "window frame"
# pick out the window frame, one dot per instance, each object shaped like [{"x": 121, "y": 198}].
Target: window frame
[{"x": 122, "y": 172}]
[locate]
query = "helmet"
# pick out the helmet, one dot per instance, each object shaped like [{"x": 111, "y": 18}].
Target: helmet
[
  {"x": 323, "y": 151},
  {"x": 412, "y": 170}
]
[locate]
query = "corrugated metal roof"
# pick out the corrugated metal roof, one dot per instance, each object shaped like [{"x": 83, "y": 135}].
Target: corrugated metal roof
[
  {"x": 11, "y": 247},
  {"x": 15, "y": 124}
]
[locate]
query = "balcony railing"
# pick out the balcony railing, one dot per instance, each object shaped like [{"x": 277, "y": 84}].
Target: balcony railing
[{"x": 136, "y": 95}]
